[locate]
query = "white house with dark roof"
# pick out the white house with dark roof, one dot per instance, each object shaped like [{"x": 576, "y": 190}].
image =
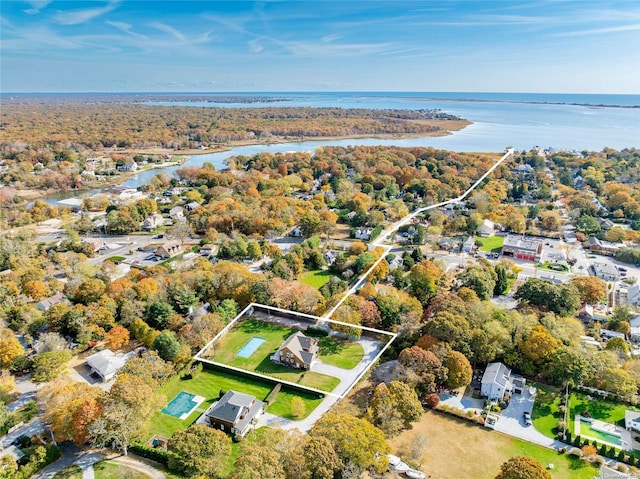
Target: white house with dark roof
[
  {"x": 498, "y": 380},
  {"x": 234, "y": 413},
  {"x": 298, "y": 351}
]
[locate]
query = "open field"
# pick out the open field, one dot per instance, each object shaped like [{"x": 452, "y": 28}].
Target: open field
[
  {"x": 209, "y": 384},
  {"x": 316, "y": 278},
  {"x": 71, "y": 472},
  {"x": 492, "y": 244},
  {"x": 456, "y": 448},
  {"x": 227, "y": 347},
  {"x": 109, "y": 470}
]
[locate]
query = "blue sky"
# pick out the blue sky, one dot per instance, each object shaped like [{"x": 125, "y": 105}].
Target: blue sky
[{"x": 535, "y": 46}]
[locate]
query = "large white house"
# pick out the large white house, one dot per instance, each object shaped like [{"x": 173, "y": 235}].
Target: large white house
[
  {"x": 498, "y": 380},
  {"x": 106, "y": 363}
]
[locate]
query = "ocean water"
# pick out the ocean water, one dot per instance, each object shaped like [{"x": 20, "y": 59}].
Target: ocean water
[{"x": 523, "y": 121}]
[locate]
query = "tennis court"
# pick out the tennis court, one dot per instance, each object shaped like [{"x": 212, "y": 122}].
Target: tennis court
[{"x": 250, "y": 347}]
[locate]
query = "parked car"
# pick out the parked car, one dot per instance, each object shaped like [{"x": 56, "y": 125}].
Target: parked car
[
  {"x": 624, "y": 270},
  {"x": 527, "y": 418}
]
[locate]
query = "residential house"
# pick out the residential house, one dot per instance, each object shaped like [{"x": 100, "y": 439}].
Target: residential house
[
  {"x": 487, "y": 228},
  {"x": 522, "y": 247},
  {"x": 95, "y": 243},
  {"x": 608, "y": 334},
  {"x": 194, "y": 205},
  {"x": 296, "y": 232},
  {"x": 604, "y": 247},
  {"x": 297, "y": 351},
  {"x": 449, "y": 244},
  {"x": 208, "y": 249},
  {"x": 12, "y": 451},
  {"x": 585, "y": 313},
  {"x": 632, "y": 420},
  {"x": 129, "y": 165},
  {"x": 605, "y": 223},
  {"x": 606, "y": 271},
  {"x": 106, "y": 363},
  {"x": 364, "y": 233},
  {"x": 634, "y": 333},
  {"x": 168, "y": 250},
  {"x": 46, "y": 303},
  {"x": 330, "y": 256},
  {"x": 176, "y": 213},
  {"x": 234, "y": 413},
  {"x": 628, "y": 295},
  {"x": 497, "y": 380},
  {"x": 152, "y": 222},
  {"x": 469, "y": 245}
]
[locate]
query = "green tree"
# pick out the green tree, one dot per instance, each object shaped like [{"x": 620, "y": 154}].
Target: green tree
[
  {"x": 523, "y": 467},
  {"x": 479, "y": 279},
  {"x": 50, "y": 365},
  {"x": 158, "y": 314},
  {"x": 354, "y": 440},
  {"x": 253, "y": 250},
  {"x": 167, "y": 345},
  {"x": 227, "y": 310},
  {"x": 568, "y": 366},
  {"x": 199, "y": 451},
  {"x": 501, "y": 283},
  {"x": 298, "y": 407},
  {"x": 460, "y": 371}
]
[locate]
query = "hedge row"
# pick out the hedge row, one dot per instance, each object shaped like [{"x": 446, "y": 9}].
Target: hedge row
[
  {"x": 606, "y": 451},
  {"x": 313, "y": 331},
  {"x": 271, "y": 397},
  {"x": 158, "y": 455}
]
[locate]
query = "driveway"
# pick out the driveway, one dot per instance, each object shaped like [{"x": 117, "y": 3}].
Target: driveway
[
  {"x": 32, "y": 428},
  {"x": 511, "y": 422}
]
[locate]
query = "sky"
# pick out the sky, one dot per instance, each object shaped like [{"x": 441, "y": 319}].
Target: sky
[{"x": 351, "y": 45}]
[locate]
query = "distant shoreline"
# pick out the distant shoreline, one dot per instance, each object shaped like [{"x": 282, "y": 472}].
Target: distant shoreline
[{"x": 274, "y": 98}]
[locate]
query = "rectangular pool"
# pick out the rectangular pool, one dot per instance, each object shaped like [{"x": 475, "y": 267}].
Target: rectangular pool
[
  {"x": 182, "y": 405},
  {"x": 252, "y": 345}
]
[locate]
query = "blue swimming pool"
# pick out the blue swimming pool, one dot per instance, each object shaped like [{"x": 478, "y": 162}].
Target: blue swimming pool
[
  {"x": 252, "y": 345},
  {"x": 181, "y": 404}
]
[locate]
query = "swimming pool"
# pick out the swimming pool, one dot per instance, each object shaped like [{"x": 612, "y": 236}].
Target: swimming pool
[
  {"x": 252, "y": 345},
  {"x": 588, "y": 430},
  {"x": 182, "y": 405}
]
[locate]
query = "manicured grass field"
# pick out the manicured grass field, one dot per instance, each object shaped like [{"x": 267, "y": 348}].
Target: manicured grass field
[
  {"x": 340, "y": 353},
  {"x": 71, "y": 472},
  {"x": 225, "y": 352},
  {"x": 109, "y": 470},
  {"x": 316, "y": 278},
  {"x": 491, "y": 244},
  {"x": 480, "y": 451},
  {"x": 209, "y": 384},
  {"x": 545, "y": 410}
]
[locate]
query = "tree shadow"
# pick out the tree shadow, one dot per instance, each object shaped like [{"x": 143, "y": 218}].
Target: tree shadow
[{"x": 329, "y": 346}]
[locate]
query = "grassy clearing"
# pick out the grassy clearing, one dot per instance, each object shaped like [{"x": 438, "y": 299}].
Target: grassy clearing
[
  {"x": 71, "y": 472},
  {"x": 316, "y": 278},
  {"x": 483, "y": 450},
  {"x": 225, "y": 352},
  {"x": 208, "y": 384},
  {"x": 545, "y": 414},
  {"x": 340, "y": 353},
  {"x": 492, "y": 244},
  {"x": 110, "y": 470}
]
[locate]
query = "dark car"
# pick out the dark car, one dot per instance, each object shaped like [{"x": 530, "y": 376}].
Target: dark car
[
  {"x": 527, "y": 418},
  {"x": 20, "y": 441}
]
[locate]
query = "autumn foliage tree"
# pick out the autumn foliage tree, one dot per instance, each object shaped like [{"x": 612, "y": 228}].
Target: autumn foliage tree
[
  {"x": 523, "y": 467},
  {"x": 590, "y": 288},
  {"x": 117, "y": 337}
]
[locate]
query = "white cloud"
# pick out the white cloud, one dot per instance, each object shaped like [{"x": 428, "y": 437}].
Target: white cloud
[
  {"x": 36, "y": 6},
  {"x": 255, "y": 46},
  {"x": 599, "y": 31},
  {"x": 75, "y": 17},
  {"x": 330, "y": 38}
]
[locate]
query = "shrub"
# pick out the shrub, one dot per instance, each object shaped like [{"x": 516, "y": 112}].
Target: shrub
[
  {"x": 562, "y": 410},
  {"x": 237, "y": 438},
  {"x": 271, "y": 397},
  {"x": 313, "y": 331},
  {"x": 196, "y": 370},
  {"x": 158, "y": 455},
  {"x": 562, "y": 426},
  {"x": 621, "y": 456},
  {"x": 622, "y": 468},
  {"x": 603, "y": 450},
  {"x": 577, "y": 441},
  {"x": 432, "y": 400},
  {"x": 574, "y": 451},
  {"x": 599, "y": 460},
  {"x": 569, "y": 435}
]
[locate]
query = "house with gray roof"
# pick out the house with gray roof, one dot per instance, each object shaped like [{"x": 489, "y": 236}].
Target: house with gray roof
[
  {"x": 234, "y": 413},
  {"x": 498, "y": 380},
  {"x": 105, "y": 364},
  {"x": 298, "y": 351},
  {"x": 46, "y": 303}
]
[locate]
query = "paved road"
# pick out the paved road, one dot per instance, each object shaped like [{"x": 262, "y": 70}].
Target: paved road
[{"x": 70, "y": 454}]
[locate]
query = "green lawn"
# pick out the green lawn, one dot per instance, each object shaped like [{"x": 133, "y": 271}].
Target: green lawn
[
  {"x": 340, "y": 352},
  {"x": 563, "y": 465},
  {"x": 226, "y": 349},
  {"x": 208, "y": 384},
  {"x": 316, "y": 278},
  {"x": 110, "y": 470},
  {"x": 492, "y": 244},
  {"x": 71, "y": 472},
  {"x": 545, "y": 410}
]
